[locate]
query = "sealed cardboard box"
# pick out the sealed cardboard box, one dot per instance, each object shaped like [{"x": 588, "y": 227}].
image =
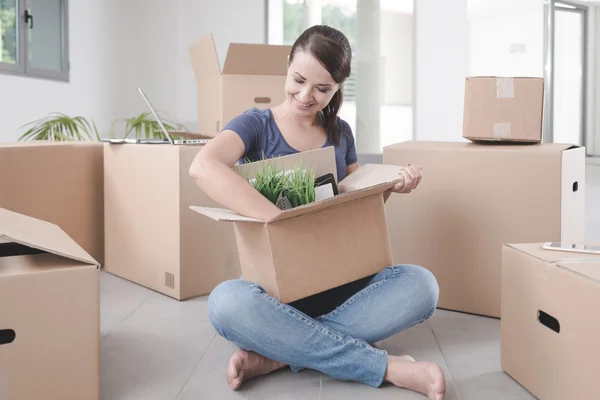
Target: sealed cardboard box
[
  {"x": 321, "y": 245},
  {"x": 59, "y": 182},
  {"x": 503, "y": 109},
  {"x": 472, "y": 199},
  {"x": 49, "y": 313},
  {"x": 152, "y": 237},
  {"x": 550, "y": 321},
  {"x": 253, "y": 75}
]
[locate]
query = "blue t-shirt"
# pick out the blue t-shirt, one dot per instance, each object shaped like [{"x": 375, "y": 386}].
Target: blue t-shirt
[{"x": 260, "y": 134}]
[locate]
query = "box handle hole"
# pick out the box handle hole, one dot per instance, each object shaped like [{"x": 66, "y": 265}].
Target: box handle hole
[
  {"x": 548, "y": 321},
  {"x": 262, "y": 100},
  {"x": 7, "y": 336},
  {"x": 575, "y": 186}
]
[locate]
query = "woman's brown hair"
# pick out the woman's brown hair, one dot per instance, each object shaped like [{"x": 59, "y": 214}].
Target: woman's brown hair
[{"x": 332, "y": 49}]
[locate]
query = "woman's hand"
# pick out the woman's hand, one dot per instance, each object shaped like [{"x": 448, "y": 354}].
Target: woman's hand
[{"x": 411, "y": 175}]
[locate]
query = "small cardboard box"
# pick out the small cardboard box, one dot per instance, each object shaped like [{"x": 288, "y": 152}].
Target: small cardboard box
[
  {"x": 472, "y": 199},
  {"x": 152, "y": 237},
  {"x": 550, "y": 321},
  {"x": 58, "y": 182},
  {"x": 503, "y": 109},
  {"x": 321, "y": 245},
  {"x": 49, "y": 313},
  {"x": 253, "y": 75}
]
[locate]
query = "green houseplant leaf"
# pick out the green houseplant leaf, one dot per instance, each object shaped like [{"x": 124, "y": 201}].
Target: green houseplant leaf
[{"x": 60, "y": 127}]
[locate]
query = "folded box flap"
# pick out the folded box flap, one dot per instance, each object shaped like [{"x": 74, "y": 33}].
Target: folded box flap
[
  {"x": 256, "y": 59},
  {"x": 334, "y": 201},
  {"x": 224, "y": 215},
  {"x": 205, "y": 61},
  {"x": 370, "y": 175},
  {"x": 41, "y": 235}
]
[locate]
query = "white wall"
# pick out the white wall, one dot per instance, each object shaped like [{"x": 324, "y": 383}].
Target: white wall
[
  {"x": 440, "y": 68},
  {"x": 397, "y": 50},
  {"x": 87, "y": 94},
  {"x": 116, "y": 46},
  {"x": 496, "y": 50}
]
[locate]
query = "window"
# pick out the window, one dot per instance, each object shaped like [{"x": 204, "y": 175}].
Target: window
[
  {"x": 33, "y": 38},
  {"x": 378, "y": 96}
]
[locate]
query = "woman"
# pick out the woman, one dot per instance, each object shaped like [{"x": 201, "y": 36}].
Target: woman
[{"x": 332, "y": 332}]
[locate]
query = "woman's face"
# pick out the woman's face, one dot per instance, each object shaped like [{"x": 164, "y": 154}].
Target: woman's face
[{"x": 309, "y": 87}]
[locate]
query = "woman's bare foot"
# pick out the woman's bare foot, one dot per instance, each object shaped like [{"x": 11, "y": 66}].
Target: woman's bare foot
[
  {"x": 422, "y": 377},
  {"x": 244, "y": 365}
]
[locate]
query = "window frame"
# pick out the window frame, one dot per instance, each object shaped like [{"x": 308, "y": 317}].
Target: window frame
[{"x": 23, "y": 66}]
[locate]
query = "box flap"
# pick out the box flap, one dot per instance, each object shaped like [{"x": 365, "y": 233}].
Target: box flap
[
  {"x": 256, "y": 59},
  {"x": 587, "y": 265},
  {"x": 224, "y": 215},
  {"x": 322, "y": 159},
  {"x": 41, "y": 235},
  {"x": 204, "y": 58},
  {"x": 369, "y": 175},
  {"x": 346, "y": 197}
]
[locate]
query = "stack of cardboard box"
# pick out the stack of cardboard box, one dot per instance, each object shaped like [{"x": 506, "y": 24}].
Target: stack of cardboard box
[
  {"x": 502, "y": 186},
  {"x": 477, "y": 197}
]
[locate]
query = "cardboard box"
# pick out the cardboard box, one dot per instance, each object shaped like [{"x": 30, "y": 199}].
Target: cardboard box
[
  {"x": 49, "y": 313},
  {"x": 550, "y": 321},
  {"x": 152, "y": 237},
  {"x": 472, "y": 199},
  {"x": 253, "y": 75},
  {"x": 59, "y": 182},
  {"x": 321, "y": 245},
  {"x": 503, "y": 109}
]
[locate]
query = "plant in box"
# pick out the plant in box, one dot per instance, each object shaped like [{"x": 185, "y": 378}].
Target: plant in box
[
  {"x": 285, "y": 188},
  {"x": 300, "y": 187}
]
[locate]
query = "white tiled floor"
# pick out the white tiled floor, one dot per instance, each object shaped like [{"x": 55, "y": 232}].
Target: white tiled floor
[{"x": 154, "y": 347}]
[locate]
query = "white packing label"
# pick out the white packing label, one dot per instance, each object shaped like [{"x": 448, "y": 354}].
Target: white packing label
[
  {"x": 505, "y": 88},
  {"x": 502, "y": 130}
]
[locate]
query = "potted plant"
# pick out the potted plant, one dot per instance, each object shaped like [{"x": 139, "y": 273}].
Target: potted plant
[{"x": 61, "y": 127}]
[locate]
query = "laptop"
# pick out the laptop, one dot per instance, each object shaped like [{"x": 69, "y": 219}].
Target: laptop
[
  {"x": 162, "y": 126},
  {"x": 169, "y": 138}
]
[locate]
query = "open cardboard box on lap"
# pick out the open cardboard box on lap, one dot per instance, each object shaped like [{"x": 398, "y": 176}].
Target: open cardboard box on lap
[
  {"x": 325, "y": 244},
  {"x": 49, "y": 313},
  {"x": 550, "y": 321}
]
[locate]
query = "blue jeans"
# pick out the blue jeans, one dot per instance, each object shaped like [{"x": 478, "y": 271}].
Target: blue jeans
[{"x": 338, "y": 343}]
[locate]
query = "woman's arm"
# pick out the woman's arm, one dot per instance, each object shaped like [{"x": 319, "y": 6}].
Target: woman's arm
[
  {"x": 351, "y": 168},
  {"x": 212, "y": 172}
]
